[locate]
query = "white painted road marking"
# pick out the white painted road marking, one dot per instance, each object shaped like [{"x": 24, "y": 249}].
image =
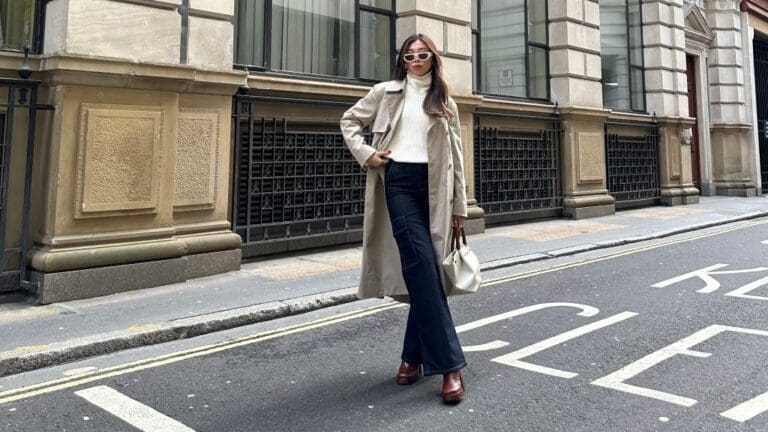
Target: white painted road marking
[
  {"x": 586, "y": 311},
  {"x": 748, "y": 409},
  {"x": 616, "y": 379},
  {"x": 742, "y": 291},
  {"x": 130, "y": 411},
  {"x": 711, "y": 284},
  {"x": 514, "y": 359}
]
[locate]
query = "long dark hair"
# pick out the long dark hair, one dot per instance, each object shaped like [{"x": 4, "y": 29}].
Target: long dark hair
[{"x": 436, "y": 101}]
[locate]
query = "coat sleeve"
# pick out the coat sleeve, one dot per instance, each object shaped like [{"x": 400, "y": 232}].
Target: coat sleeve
[
  {"x": 457, "y": 153},
  {"x": 355, "y": 119}
]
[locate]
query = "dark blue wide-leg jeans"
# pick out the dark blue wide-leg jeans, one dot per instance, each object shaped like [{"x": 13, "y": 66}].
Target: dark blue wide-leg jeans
[{"x": 430, "y": 336}]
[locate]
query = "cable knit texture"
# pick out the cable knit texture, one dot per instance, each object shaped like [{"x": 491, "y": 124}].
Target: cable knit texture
[{"x": 409, "y": 144}]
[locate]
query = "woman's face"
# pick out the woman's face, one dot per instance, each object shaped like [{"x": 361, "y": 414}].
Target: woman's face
[{"x": 418, "y": 67}]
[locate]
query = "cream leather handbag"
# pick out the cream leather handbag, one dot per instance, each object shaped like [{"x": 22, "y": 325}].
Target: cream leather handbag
[{"x": 461, "y": 265}]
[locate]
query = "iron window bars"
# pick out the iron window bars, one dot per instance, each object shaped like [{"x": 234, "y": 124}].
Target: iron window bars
[
  {"x": 632, "y": 165},
  {"x": 295, "y": 183},
  {"x": 517, "y": 172}
]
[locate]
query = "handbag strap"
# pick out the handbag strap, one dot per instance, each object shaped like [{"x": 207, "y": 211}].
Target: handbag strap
[{"x": 455, "y": 240}]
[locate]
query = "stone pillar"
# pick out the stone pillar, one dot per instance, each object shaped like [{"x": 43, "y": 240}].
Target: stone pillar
[
  {"x": 448, "y": 24},
  {"x": 575, "y": 71},
  {"x": 666, "y": 97},
  {"x": 138, "y": 163},
  {"x": 731, "y": 126},
  {"x": 748, "y": 36}
]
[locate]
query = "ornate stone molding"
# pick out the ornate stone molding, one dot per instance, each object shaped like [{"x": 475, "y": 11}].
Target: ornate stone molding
[
  {"x": 119, "y": 160},
  {"x": 197, "y": 159},
  {"x": 697, "y": 31},
  {"x": 591, "y": 158},
  {"x": 756, "y": 7},
  {"x": 110, "y": 72}
]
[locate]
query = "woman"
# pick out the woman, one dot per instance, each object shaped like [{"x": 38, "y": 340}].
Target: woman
[{"x": 414, "y": 195}]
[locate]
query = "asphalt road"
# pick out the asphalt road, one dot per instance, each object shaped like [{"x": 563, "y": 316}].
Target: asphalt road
[{"x": 626, "y": 339}]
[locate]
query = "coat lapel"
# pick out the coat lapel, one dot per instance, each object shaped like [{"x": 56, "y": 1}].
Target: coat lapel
[{"x": 395, "y": 99}]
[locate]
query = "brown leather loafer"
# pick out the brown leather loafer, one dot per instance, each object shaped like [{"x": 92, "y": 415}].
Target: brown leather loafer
[
  {"x": 453, "y": 387},
  {"x": 408, "y": 373}
]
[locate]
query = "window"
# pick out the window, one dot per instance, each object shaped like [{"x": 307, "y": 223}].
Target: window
[
  {"x": 621, "y": 50},
  {"x": 509, "y": 39},
  {"x": 340, "y": 38},
  {"x": 17, "y": 24}
]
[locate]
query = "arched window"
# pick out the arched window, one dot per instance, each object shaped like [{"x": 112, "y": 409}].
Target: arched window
[
  {"x": 510, "y": 48},
  {"x": 621, "y": 51}
]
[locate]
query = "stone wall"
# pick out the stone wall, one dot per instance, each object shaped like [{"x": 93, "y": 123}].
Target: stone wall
[
  {"x": 731, "y": 125},
  {"x": 138, "y": 168},
  {"x": 147, "y": 31}
]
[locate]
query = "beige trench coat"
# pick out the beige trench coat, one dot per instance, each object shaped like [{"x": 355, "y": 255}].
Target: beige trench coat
[{"x": 381, "y": 109}]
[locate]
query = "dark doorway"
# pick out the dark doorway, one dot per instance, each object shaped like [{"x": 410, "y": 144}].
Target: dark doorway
[
  {"x": 693, "y": 102},
  {"x": 761, "y": 100}
]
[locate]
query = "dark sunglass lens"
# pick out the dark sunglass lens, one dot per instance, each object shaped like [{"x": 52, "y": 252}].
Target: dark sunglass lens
[{"x": 423, "y": 56}]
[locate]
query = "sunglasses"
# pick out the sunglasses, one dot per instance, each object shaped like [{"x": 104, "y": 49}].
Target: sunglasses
[{"x": 423, "y": 56}]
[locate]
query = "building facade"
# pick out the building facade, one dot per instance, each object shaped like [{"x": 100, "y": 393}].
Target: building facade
[
  {"x": 172, "y": 138},
  {"x": 754, "y": 25}
]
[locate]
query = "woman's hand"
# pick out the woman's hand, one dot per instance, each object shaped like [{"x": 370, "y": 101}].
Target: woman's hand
[
  {"x": 457, "y": 222},
  {"x": 379, "y": 159}
]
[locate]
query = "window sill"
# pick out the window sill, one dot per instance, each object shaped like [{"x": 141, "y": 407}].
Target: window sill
[
  {"x": 528, "y": 105},
  {"x": 641, "y": 118},
  {"x": 11, "y": 60},
  {"x": 265, "y": 81}
]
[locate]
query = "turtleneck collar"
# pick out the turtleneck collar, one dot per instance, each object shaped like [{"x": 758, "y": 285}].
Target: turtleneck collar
[{"x": 422, "y": 82}]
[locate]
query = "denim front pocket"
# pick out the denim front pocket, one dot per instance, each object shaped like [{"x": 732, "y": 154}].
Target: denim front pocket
[{"x": 408, "y": 256}]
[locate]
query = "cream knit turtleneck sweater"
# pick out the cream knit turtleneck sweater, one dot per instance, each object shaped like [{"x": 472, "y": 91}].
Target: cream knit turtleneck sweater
[{"x": 409, "y": 143}]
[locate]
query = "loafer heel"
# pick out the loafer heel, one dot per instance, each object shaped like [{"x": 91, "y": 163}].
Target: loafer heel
[
  {"x": 408, "y": 373},
  {"x": 453, "y": 387}
]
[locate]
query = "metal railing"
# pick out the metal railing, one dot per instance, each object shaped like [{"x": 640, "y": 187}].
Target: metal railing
[
  {"x": 296, "y": 184},
  {"x": 762, "y": 131},
  {"x": 632, "y": 164},
  {"x": 18, "y": 114},
  {"x": 517, "y": 171}
]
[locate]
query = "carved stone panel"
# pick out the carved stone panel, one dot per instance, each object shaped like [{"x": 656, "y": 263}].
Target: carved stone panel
[
  {"x": 119, "y": 160},
  {"x": 197, "y": 159},
  {"x": 591, "y": 162},
  {"x": 674, "y": 155}
]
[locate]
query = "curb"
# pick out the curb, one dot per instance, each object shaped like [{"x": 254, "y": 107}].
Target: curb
[
  {"x": 18, "y": 361},
  {"x": 24, "y": 360},
  {"x": 573, "y": 250}
]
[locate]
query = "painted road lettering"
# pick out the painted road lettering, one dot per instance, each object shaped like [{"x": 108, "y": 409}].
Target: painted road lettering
[
  {"x": 514, "y": 359},
  {"x": 742, "y": 291},
  {"x": 705, "y": 274},
  {"x": 586, "y": 311},
  {"x": 617, "y": 380}
]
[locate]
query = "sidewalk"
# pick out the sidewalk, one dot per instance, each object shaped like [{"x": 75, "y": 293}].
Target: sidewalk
[{"x": 39, "y": 336}]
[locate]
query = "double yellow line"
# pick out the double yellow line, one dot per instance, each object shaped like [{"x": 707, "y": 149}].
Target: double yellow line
[
  {"x": 20, "y": 393},
  {"x": 99, "y": 374},
  {"x": 661, "y": 243}
]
